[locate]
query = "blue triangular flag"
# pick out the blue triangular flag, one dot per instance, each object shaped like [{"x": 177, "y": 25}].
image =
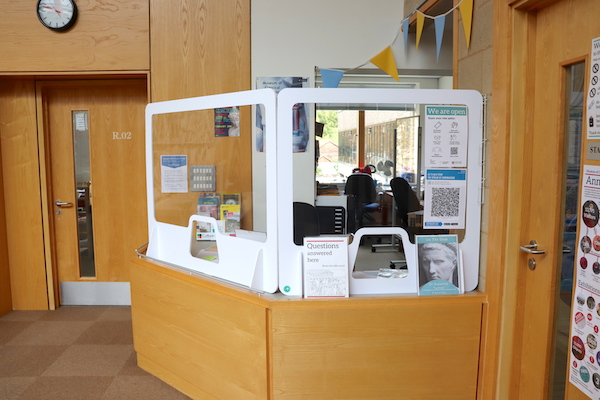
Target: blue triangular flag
[
  {"x": 405, "y": 31},
  {"x": 331, "y": 77},
  {"x": 439, "y": 33}
]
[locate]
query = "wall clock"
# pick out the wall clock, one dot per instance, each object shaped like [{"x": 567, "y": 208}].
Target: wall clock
[{"x": 58, "y": 15}]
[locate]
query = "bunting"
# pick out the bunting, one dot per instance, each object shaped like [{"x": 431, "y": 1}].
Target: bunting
[
  {"x": 466, "y": 13},
  {"x": 385, "y": 60},
  {"x": 331, "y": 77},
  {"x": 439, "y": 24}
]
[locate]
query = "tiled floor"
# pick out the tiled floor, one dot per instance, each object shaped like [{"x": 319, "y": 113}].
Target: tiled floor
[{"x": 74, "y": 353}]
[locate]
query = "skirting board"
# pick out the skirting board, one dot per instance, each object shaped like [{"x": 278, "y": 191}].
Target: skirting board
[{"x": 95, "y": 294}]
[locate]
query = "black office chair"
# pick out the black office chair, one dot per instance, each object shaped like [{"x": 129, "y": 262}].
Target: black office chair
[
  {"x": 405, "y": 198},
  {"x": 306, "y": 222},
  {"x": 406, "y": 201},
  {"x": 362, "y": 188}
]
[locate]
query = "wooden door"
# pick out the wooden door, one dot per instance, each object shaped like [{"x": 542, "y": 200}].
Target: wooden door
[
  {"x": 549, "y": 39},
  {"x": 96, "y": 204}
]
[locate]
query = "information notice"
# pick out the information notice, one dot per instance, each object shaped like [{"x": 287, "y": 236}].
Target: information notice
[
  {"x": 326, "y": 267},
  {"x": 173, "y": 174},
  {"x": 446, "y": 135},
  {"x": 593, "y": 94},
  {"x": 445, "y": 199},
  {"x": 584, "y": 369}
]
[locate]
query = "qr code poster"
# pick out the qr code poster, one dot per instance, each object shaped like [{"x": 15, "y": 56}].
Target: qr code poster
[
  {"x": 446, "y": 136},
  {"x": 445, "y": 199}
]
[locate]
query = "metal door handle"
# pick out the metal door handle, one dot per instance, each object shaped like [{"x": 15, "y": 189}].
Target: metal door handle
[
  {"x": 63, "y": 203},
  {"x": 566, "y": 249},
  {"x": 531, "y": 248}
]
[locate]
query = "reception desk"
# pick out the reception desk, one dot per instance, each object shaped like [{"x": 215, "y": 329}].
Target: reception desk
[{"x": 211, "y": 340}]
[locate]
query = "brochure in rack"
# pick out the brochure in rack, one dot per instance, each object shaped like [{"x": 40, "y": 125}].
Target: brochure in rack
[{"x": 439, "y": 261}]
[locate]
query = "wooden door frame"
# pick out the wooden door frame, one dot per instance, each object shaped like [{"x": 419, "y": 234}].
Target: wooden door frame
[
  {"x": 53, "y": 284},
  {"x": 513, "y": 41}
]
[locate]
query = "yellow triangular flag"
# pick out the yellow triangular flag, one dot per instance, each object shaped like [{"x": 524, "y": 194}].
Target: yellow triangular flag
[
  {"x": 386, "y": 62},
  {"x": 466, "y": 12},
  {"x": 420, "y": 24}
]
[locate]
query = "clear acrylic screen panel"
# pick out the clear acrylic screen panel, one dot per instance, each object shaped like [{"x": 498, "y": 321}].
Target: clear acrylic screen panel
[
  {"x": 212, "y": 193},
  {"x": 203, "y": 165},
  {"x": 384, "y": 140},
  {"x": 393, "y": 148},
  {"x": 386, "y": 137},
  {"x": 218, "y": 140}
]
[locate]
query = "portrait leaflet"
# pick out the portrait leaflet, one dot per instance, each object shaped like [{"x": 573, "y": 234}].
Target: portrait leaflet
[
  {"x": 326, "y": 267},
  {"x": 440, "y": 269}
]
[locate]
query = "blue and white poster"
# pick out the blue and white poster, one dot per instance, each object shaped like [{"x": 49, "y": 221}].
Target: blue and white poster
[
  {"x": 446, "y": 134},
  {"x": 445, "y": 199},
  {"x": 173, "y": 174}
]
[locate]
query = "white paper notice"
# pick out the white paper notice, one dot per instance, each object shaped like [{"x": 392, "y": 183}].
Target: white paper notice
[
  {"x": 446, "y": 134},
  {"x": 584, "y": 369},
  {"x": 81, "y": 123},
  {"x": 593, "y": 95},
  {"x": 173, "y": 174},
  {"x": 326, "y": 267},
  {"x": 445, "y": 199}
]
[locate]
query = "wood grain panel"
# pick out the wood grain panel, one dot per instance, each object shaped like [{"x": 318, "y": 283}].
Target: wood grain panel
[
  {"x": 117, "y": 171},
  {"x": 530, "y": 51},
  {"x": 210, "y": 41},
  {"x": 20, "y": 168},
  {"x": 192, "y": 134},
  {"x": 379, "y": 352},
  {"x": 199, "y": 47},
  {"x": 109, "y": 35},
  {"x": 5, "y": 292},
  {"x": 118, "y": 176},
  {"x": 214, "y": 342}
]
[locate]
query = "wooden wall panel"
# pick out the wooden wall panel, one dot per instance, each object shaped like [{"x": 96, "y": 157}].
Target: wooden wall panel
[
  {"x": 5, "y": 291},
  {"x": 199, "y": 48},
  {"x": 20, "y": 168},
  {"x": 192, "y": 134},
  {"x": 111, "y": 35}
]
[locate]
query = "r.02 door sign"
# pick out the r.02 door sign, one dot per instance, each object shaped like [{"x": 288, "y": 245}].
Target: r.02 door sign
[{"x": 121, "y": 135}]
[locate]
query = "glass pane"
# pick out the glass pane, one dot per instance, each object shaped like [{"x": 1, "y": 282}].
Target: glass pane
[
  {"x": 81, "y": 149},
  {"x": 573, "y": 133},
  {"x": 407, "y": 152},
  {"x": 194, "y": 174}
]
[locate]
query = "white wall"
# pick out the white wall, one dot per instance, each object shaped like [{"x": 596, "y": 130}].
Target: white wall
[
  {"x": 293, "y": 37},
  {"x": 290, "y": 38}
]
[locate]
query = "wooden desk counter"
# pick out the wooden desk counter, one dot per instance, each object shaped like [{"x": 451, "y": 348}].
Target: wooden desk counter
[{"x": 214, "y": 341}]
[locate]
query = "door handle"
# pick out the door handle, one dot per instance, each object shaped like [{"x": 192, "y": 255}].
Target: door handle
[
  {"x": 531, "y": 248},
  {"x": 63, "y": 203}
]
